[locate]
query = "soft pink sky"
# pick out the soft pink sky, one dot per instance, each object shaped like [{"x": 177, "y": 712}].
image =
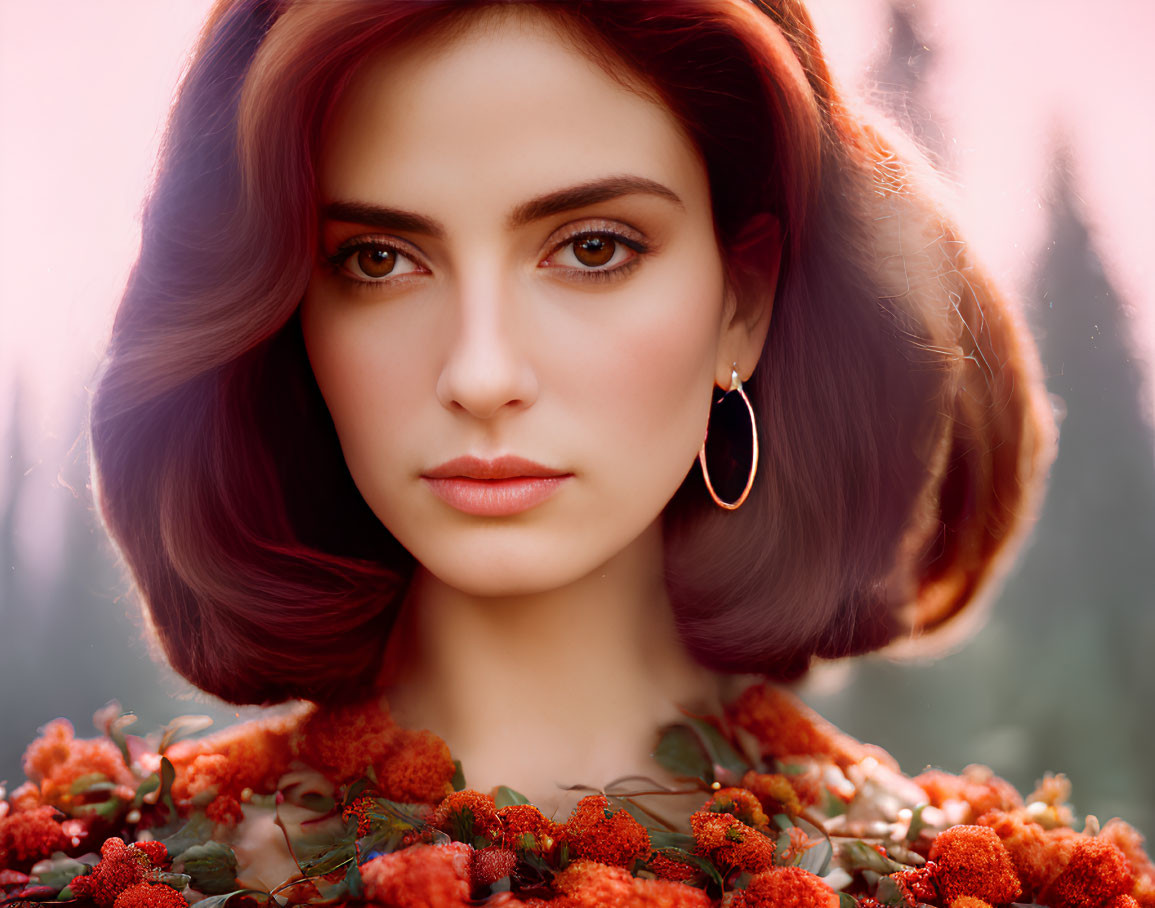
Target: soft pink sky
[{"x": 84, "y": 92}]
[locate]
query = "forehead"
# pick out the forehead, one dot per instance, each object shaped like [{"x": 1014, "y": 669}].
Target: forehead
[{"x": 501, "y": 102}]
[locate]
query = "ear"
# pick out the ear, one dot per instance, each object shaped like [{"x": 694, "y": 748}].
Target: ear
[{"x": 753, "y": 264}]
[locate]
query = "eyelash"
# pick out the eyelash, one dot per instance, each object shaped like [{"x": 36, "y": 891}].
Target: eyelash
[{"x": 350, "y": 248}]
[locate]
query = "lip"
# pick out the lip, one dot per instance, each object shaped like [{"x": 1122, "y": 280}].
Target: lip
[{"x": 494, "y": 488}]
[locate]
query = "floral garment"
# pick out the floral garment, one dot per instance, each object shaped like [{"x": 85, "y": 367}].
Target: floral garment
[{"x": 789, "y": 812}]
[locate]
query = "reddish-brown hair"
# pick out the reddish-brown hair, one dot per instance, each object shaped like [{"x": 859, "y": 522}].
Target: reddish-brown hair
[{"x": 903, "y": 426}]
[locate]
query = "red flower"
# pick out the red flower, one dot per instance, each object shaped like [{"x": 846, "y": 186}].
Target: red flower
[
  {"x": 150, "y": 895},
  {"x": 225, "y": 810},
  {"x": 469, "y": 816},
  {"x": 594, "y": 833},
  {"x": 420, "y": 876},
  {"x": 742, "y": 804},
  {"x": 419, "y": 769},
  {"x": 120, "y": 867},
  {"x": 1096, "y": 873},
  {"x": 965, "y": 901},
  {"x": 1129, "y": 840},
  {"x": 978, "y": 787},
  {"x": 586, "y": 884},
  {"x": 1027, "y": 844},
  {"x": 491, "y": 864},
  {"x": 731, "y": 844},
  {"x": 780, "y": 793},
  {"x": 521, "y": 820},
  {"x": 917, "y": 885},
  {"x": 973, "y": 861},
  {"x": 253, "y": 755},
  {"x": 670, "y": 868},
  {"x": 57, "y": 759},
  {"x": 786, "y": 887},
  {"x": 785, "y": 726},
  {"x": 30, "y": 835}
]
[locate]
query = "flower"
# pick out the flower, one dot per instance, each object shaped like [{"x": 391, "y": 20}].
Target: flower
[
  {"x": 1096, "y": 873},
  {"x": 420, "y": 876},
  {"x": 587, "y": 884},
  {"x": 742, "y": 804},
  {"x": 731, "y": 844},
  {"x": 120, "y": 867},
  {"x": 784, "y": 726},
  {"x": 30, "y": 835},
  {"x": 57, "y": 759},
  {"x": 780, "y": 793},
  {"x": 595, "y": 833},
  {"x": 977, "y": 786},
  {"x": 469, "y": 816},
  {"x": 971, "y": 860},
  {"x": 491, "y": 864},
  {"x": 786, "y": 887},
  {"x": 419, "y": 769},
  {"x": 150, "y": 895},
  {"x": 1027, "y": 844},
  {"x": 527, "y": 828},
  {"x": 251, "y": 756}
]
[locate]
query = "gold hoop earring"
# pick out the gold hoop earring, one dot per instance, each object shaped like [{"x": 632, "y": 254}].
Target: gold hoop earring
[{"x": 735, "y": 385}]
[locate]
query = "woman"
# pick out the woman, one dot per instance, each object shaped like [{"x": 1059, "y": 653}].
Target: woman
[{"x": 411, "y": 401}]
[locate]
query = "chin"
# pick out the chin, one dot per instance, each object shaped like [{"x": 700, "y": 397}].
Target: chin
[{"x": 505, "y": 574}]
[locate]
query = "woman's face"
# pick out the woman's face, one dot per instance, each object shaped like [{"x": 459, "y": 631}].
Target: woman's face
[{"x": 517, "y": 262}]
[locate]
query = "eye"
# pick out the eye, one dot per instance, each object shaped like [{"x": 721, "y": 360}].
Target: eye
[
  {"x": 593, "y": 252},
  {"x": 371, "y": 262}
]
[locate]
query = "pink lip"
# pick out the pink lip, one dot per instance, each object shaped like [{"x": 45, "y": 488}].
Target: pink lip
[{"x": 493, "y": 488}]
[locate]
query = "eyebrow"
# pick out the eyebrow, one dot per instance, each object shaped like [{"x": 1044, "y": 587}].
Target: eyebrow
[{"x": 543, "y": 206}]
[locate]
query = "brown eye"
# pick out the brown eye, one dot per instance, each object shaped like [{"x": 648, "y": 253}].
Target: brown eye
[
  {"x": 376, "y": 261},
  {"x": 594, "y": 251}
]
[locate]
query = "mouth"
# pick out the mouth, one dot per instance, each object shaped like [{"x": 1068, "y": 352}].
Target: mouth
[{"x": 494, "y": 488}]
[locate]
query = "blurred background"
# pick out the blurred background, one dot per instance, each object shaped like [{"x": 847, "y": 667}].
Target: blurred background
[{"x": 1037, "y": 111}]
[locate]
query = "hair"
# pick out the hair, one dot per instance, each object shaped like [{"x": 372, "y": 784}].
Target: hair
[{"x": 903, "y": 428}]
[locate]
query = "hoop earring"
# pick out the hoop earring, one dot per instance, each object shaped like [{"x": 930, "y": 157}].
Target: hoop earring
[{"x": 735, "y": 385}]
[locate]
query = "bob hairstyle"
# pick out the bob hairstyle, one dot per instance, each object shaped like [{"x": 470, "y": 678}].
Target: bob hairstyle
[{"x": 903, "y": 427}]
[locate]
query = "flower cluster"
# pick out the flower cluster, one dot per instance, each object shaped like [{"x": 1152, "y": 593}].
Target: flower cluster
[{"x": 342, "y": 806}]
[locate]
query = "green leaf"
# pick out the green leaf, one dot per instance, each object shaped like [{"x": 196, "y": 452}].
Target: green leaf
[
  {"x": 783, "y": 822},
  {"x": 681, "y": 751},
  {"x": 148, "y": 786},
  {"x": 458, "y": 780},
  {"x": 167, "y": 777},
  {"x": 197, "y": 830},
  {"x": 116, "y": 732},
  {"x": 178, "y": 881},
  {"x": 179, "y": 728},
  {"x": 846, "y": 900},
  {"x": 721, "y": 752},
  {"x": 916, "y": 825},
  {"x": 815, "y": 859},
  {"x": 858, "y": 855},
  {"x": 92, "y": 781},
  {"x": 212, "y": 867},
  {"x": 695, "y": 860},
  {"x": 219, "y": 901},
  {"x": 507, "y": 797},
  {"x": 889, "y": 893},
  {"x": 60, "y": 871},
  {"x": 661, "y": 838}
]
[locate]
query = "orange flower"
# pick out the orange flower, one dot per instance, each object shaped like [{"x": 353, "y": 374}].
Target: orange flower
[
  {"x": 150, "y": 895},
  {"x": 344, "y": 741},
  {"x": 969, "y": 901},
  {"x": 730, "y": 843},
  {"x": 418, "y": 770},
  {"x": 26, "y": 797},
  {"x": 120, "y": 866},
  {"x": 251, "y": 755},
  {"x": 57, "y": 759},
  {"x": 971, "y": 860},
  {"x": 420, "y": 876},
  {"x": 1096, "y": 873},
  {"x": 587, "y": 884},
  {"x": 742, "y": 804},
  {"x": 977, "y": 786},
  {"x": 784, "y": 726},
  {"x": 28, "y": 836},
  {"x": 786, "y": 887},
  {"x": 520, "y": 820},
  {"x": 779, "y": 793},
  {"x": 491, "y": 864},
  {"x": 225, "y": 810},
  {"x": 594, "y": 833},
  {"x": 469, "y": 816},
  {"x": 1027, "y": 844},
  {"x": 1129, "y": 840},
  {"x": 670, "y": 868},
  {"x": 917, "y": 885}
]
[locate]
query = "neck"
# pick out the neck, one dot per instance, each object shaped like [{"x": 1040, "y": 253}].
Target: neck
[{"x": 566, "y": 686}]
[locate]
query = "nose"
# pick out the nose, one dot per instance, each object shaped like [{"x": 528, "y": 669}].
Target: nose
[{"x": 487, "y": 371}]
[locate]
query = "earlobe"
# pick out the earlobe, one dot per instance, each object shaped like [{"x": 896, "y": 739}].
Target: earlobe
[{"x": 753, "y": 263}]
